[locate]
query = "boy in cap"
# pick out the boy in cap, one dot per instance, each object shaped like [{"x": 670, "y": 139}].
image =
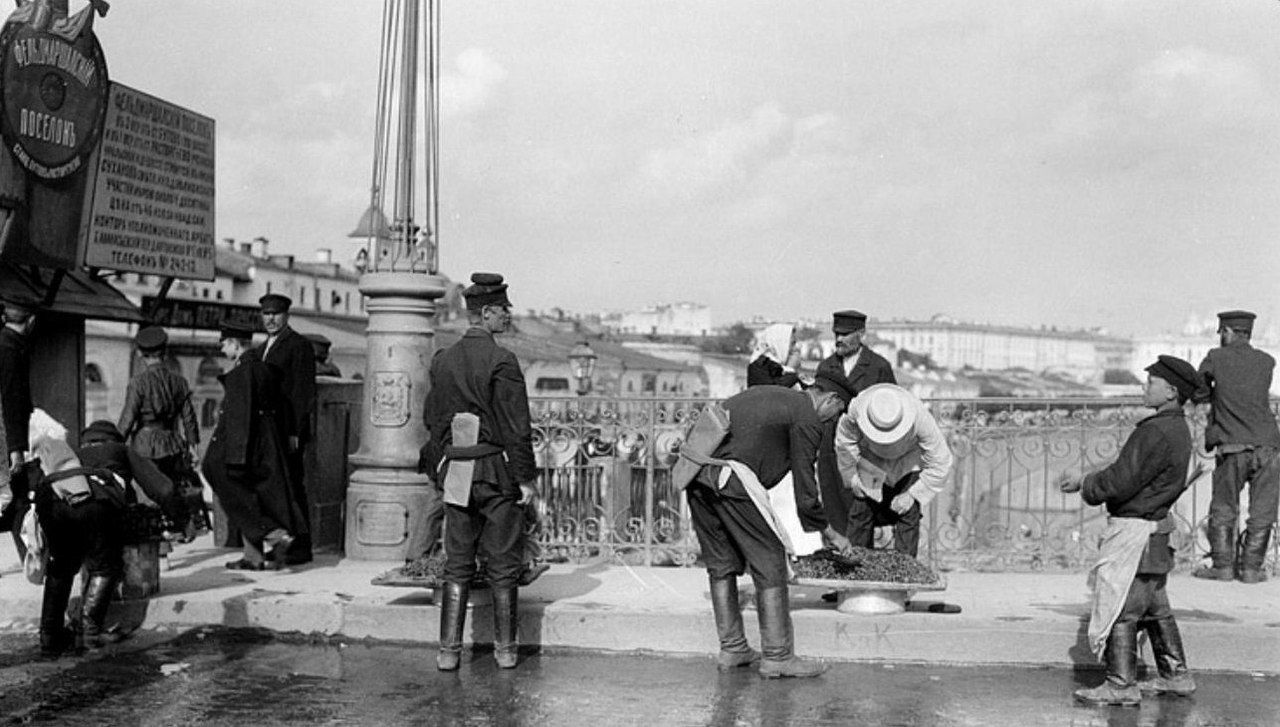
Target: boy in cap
[
  {"x": 1135, "y": 558},
  {"x": 1243, "y": 431},
  {"x": 158, "y": 417},
  {"x": 852, "y": 368},
  {"x": 894, "y": 458},
  {"x": 247, "y": 463},
  {"x": 290, "y": 353},
  {"x": 480, "y": 448}
]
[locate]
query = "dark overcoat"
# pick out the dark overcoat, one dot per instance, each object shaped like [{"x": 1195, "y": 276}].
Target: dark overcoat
[{"x": 293, "y": 357}]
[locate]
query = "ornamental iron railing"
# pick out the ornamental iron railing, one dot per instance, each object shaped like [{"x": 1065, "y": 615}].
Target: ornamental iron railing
[{"x": 607, "y": 493}]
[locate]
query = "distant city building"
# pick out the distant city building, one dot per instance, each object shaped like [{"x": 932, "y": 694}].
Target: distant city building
[
  {"x": 950, "y": 344},
  {"x": 674, "y": 319}
]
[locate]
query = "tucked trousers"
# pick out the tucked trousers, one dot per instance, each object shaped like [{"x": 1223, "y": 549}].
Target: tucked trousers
[
  {"x": 492, "y": 520},
  {"x": 734, "y": 537},
  {"x": 1260, "y": 468},
  {"x": 1147, "y": 600},
  {"x": 89, "y": 534},
  {"x": 866, "y": 514}
]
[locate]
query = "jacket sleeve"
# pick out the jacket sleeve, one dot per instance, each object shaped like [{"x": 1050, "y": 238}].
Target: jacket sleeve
[
  {"x": 237, "y": 414},
  {"x": 847, "y": 451},
  {"x": 806, "y": 433},
  {"x": 302, "y": 386},
  {"x": 1141, "y": 460},
  {"x": 129, "y": 414},
  {"x": 935, "y": 458},
  {"x": 886, "y": 374},
  {"x": 511, "y": 408}
]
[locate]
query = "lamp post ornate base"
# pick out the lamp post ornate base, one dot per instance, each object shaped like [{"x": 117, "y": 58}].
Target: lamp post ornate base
[{"x": 386, "y": 497}]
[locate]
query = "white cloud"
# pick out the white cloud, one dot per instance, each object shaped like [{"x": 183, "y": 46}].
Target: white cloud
[{"x": 470, "y": 86}]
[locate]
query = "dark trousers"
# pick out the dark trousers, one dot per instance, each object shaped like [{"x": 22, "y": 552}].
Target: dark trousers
[
  {"x": 300, "y": 550},
  {"x": 836, "y": 498},
  {"x": 88, "y": 534},
  {"x": 734, "y": 537},
  {"x": 866, "y": 514},
  {"x": 1260, "y": 467},
  {"x": 1147, "y": 600},
  {"x": 494, "y": 521}
]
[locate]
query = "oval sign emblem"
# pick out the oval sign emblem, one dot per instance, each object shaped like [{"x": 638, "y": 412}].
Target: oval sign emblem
[{"x": 55, "y": 97}]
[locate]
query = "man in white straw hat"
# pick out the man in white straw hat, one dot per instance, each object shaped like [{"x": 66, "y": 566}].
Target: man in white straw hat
[{"x": 894, "y": 458}]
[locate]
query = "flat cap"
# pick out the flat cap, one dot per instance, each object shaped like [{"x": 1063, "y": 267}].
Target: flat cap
[
  {"x": 848, "y": 321},
  {"x": 1236, "y": 320},
  {"x": 485, "y": 289},
  {"x": 275, "y": 303},
  {"x": 1180, "y": 374},
  {"x": 151, "y": 339},
  {"x": 102, "y": 430},
  {"x": 236, "y": 330}
]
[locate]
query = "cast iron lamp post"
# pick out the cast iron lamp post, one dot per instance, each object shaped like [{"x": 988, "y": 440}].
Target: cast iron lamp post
[{"x": 582, "y": 361}]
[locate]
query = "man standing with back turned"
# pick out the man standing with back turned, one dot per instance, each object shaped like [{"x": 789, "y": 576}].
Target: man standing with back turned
[
  {"x": 480, "y": 445},
  {"x": 1243, "y": 430}
]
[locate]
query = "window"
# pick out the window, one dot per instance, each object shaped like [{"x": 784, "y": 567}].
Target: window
[{"x": 546, "y": 384}]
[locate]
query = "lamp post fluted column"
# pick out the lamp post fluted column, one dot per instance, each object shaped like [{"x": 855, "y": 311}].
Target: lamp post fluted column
[{"x": 387, "y": 498}]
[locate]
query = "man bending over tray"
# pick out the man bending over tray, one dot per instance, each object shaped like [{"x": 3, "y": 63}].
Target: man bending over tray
[
  {"x": 895, "y": 458},
  {"x": 732, "y": 457}
]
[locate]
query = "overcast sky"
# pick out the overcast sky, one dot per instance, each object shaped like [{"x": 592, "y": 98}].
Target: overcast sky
[{"x": 1076, "y": 164}]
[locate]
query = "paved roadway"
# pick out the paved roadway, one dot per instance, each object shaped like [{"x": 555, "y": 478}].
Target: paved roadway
[{"x": 238, "y": 678}]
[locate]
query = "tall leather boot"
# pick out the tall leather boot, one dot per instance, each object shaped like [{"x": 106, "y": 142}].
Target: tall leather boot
[
  {"x": 506, "y": 626},
  {"x": 1253, "y": 553},
  {"x": 1120, "y": 688},
  {"x": 734, "y": 650},
  {"x": 1171, "y": 662},
  {"x": 453, "y": 617},
  {"x": 1222, "y": 549},
  {"x": 55, "y": 637},
  {"x": 97, "y": 599},
  {"x": 777, "y": 640}
]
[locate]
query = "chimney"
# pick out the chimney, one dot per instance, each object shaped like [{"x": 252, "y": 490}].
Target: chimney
[
  {"x": 230, "y": 242},
  {"x": 260, "y": 247},
  {"x": 246, "y": 248},
  {"x": 324, "y": 255}
]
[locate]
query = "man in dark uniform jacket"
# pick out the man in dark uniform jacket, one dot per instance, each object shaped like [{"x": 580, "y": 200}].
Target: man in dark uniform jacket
[
  {"x": 1243, "y": 430},
  {"x": 480, "y": 447},
  {"x": 852, "y": 368},
  {"x": 16, "y": 407},
  {"x": 290, "y": 353},
  {"x": 1134, "y": 561},
  {"x": 773, "y": 432},
  {"x": 247, "y": 464}
]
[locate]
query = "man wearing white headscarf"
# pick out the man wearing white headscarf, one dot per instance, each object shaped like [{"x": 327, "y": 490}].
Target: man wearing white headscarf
[{"x": 775, "y": 358}]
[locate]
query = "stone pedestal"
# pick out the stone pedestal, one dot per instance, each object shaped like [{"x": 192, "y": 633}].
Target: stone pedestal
[{"x": 386, "y": 496}]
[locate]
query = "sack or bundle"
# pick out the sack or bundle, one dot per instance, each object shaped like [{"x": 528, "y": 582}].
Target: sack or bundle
[
  {"x": 867, "y": 564},
  {"x": 36, "y": 560}
]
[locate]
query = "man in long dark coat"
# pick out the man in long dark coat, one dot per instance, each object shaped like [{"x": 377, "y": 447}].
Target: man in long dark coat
[
  {"x": 852, "y": 368},
  {"x": 16, "y": 407},
  {"x": 246, "y": 463},
  {"x": 291, "y": 354},
  {"x": 480, "y": 448}
]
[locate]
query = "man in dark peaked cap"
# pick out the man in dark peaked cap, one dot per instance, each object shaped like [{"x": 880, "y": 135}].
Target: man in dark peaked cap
[
  {"x": 480, "y": 448},
  {"x": 159, "y": 419},
  {"x": 1135, "y": 558},
  {"x": 850, "y": 369},
  {"x": 290, "y": 353},
  {"x": 1243, "y": 431}
]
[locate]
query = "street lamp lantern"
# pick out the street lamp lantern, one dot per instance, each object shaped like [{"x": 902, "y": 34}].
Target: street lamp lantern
[{"x": 582, "y": 361}]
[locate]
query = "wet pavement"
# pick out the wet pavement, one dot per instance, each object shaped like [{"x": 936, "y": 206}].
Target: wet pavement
[{"x": 250, "y": 677}]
